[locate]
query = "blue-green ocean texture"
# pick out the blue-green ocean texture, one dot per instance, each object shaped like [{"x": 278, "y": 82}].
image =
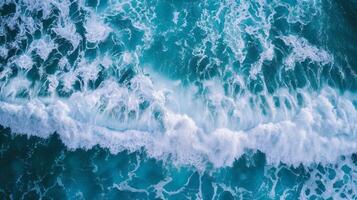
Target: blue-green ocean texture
[{"x": 178, "y": 99}]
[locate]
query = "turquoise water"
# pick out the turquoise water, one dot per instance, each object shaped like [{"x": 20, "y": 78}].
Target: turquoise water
[
  {"x": 172, "y": 99},
  {"x": 36, "y": 168}
]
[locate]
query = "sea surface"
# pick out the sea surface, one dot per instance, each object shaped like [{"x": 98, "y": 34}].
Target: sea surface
[{"x": 178, "y": 99}]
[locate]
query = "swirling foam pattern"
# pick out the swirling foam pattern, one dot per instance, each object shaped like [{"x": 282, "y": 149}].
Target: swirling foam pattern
[{"x": 165, "y": 99}]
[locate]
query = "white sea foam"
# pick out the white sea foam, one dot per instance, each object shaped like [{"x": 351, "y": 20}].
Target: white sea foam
[
  {"x": 167, "y": 119},
  {"x": 96, "y": 31},
  {"x": 68, "y": 32},
  {"x": 3, "y": 52},
  {"x": 303, "y": 50},
  {"x": 321, "y": 130},
  {"x": 15, "y": 86},
  {"x": 43, "y": 47},
  {"x": 176, "y": 17},
  {"x": 127, "y": 58},
  {"x": 24, "y": 61}
]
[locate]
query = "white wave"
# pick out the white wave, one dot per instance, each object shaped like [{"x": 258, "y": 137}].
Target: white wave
[
  {"x": 171, "y": 121},
  {"x": 321, "y": 130}
]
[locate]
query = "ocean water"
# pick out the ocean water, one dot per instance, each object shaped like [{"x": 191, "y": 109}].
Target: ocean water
[{"x": 167, "y": 99}]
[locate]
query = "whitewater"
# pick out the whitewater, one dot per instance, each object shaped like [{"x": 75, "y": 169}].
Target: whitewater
[{"x": 193, "y": 86}]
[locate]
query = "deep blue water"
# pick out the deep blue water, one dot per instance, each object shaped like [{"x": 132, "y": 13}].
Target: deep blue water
[{"x": 164, "y": 99}]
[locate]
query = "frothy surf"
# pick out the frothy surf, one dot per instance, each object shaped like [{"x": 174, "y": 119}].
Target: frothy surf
[
  {"x": 188, "y": 83},
  {"x": 319, "y": 128}
]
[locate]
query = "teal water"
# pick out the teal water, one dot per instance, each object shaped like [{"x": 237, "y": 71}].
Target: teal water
[
  {"x": 34, "y": 168},
  {"x": 169, "y": 99}
]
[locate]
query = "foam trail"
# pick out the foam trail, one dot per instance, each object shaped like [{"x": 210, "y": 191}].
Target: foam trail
[{"x": 302, "y": 51}]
